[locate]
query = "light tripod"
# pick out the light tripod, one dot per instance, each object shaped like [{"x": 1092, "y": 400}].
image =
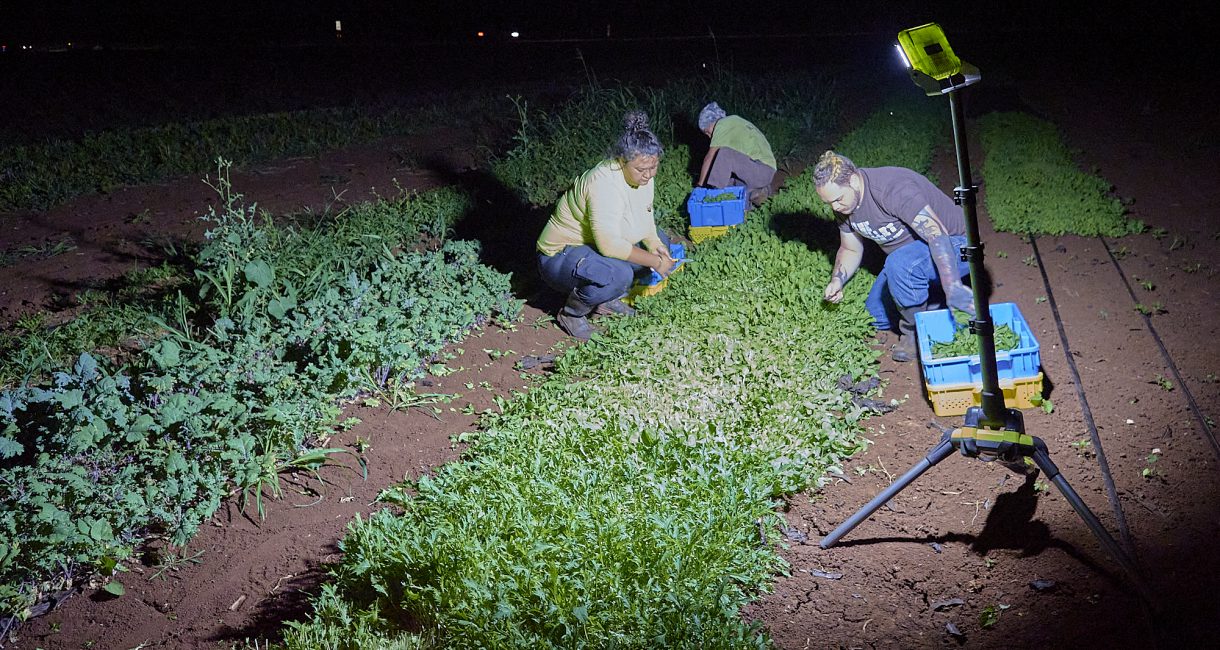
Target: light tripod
[{"x": 989, "y": 432}]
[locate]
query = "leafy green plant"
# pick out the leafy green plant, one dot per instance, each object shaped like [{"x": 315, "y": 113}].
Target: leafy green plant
[
  {"x": 1163, "y": 382},
  {"x": 1083, "y": 447},
  {"x": 43, "y": 251},
  {"x": 1045, "y": 403},
  {"x": 991, "y": 615},
  {"x": 1151, "y": 469},
  {"x": 173, "y": 561}
]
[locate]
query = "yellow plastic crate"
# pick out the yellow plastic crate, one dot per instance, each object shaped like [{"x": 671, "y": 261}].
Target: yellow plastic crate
[
  {"x": 641, "y": 290},
  {"x": 954, "y": 399},
  {"x": 700, "y": 233}
]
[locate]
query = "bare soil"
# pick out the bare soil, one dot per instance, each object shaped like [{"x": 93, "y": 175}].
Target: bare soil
[{"x": 965, "y": 539}]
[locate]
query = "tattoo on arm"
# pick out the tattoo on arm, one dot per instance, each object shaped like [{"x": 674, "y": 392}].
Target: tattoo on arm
[
  {"x": 927, "y": 226},
  {"x": 840, "y": 275}
]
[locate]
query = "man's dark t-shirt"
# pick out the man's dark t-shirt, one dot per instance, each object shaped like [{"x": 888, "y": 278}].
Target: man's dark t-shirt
[{"x": 892, "y": 197}]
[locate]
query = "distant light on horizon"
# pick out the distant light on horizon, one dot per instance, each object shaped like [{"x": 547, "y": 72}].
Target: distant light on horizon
[
  {"x": 480, "y": 34},
  {"x": 515, "y": 34}
]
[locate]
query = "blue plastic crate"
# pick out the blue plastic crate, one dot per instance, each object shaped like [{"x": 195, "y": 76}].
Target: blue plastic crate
[
  {"x": 938, "y": 326},
  {"x": 676, "y": 251},
  {"x": 720, "y": 213}
]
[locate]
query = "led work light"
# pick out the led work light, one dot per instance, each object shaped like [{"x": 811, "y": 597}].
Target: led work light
[{"x": 931, "y": 62}]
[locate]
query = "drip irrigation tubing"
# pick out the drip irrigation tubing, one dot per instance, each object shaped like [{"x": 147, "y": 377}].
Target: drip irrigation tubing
[
  {"x": 1094, "y": 437},
  {"x": 1148, "y": 603},
  {"x": 1173, "y": 367}
]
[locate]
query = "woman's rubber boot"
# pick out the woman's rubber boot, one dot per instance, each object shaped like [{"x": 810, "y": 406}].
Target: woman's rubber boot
[
  {"x": 907, "y": 347},
  {"x": 572, "y": 318},
  {"x": 614, "y": 307}
]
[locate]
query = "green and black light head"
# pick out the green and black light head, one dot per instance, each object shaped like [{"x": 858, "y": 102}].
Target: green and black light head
[{"x": 931, "y": 62}]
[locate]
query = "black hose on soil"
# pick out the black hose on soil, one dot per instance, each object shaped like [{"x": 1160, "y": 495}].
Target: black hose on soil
[
  {"x": 1173, "y": 367},
  {"x": 1111, "y": 492}
]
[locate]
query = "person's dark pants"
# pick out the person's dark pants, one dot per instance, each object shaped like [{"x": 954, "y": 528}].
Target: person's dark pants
[
  {"x": 909, "y": 278},
  {"x": 594, "y": 277},
  {"x": 731, "y": 168}
]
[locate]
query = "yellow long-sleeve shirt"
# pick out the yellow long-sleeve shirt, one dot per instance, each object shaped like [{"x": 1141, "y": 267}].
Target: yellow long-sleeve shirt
[{"x": 603, "y": 210}]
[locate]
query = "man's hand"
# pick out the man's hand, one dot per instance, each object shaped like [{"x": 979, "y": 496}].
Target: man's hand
[
  {"x": 960, "y": 298},
  {"x": 834, "y": 291}
]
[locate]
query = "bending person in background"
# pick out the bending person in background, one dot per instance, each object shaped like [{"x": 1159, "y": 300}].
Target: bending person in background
[
  {"x": 739, "y": 154},
  {"x": 919, "y": 228},
  {"x": 602, "y": 232}
]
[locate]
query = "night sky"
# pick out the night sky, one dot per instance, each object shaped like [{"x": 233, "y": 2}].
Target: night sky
[{"x": 387, "y": 22}]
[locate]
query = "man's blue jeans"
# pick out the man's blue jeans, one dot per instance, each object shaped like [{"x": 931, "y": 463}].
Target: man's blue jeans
[{"x": 907, "y": 279}]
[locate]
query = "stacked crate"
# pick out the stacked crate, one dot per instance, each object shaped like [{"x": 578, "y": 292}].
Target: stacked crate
[
  {"x": 954, "y": 384},
  {"x": 714, "y": 218}
]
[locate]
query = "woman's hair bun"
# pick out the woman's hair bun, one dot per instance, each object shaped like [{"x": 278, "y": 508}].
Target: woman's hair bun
[{"x": 636, "y": 120}]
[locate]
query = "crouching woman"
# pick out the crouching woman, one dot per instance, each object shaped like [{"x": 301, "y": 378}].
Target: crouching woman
[{"x": 602, "y": 233}]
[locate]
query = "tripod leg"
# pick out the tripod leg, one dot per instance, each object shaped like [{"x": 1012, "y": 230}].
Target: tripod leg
[
  {"x": 1043, "y": 460},
  {"x": 938, "y": 453}
]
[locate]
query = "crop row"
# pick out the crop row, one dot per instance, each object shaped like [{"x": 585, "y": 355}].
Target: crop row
[
  {"x": 39, "y": 176},
  {"x": 1035, "y": 187},
  {"x": 241, "y": 377}
]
